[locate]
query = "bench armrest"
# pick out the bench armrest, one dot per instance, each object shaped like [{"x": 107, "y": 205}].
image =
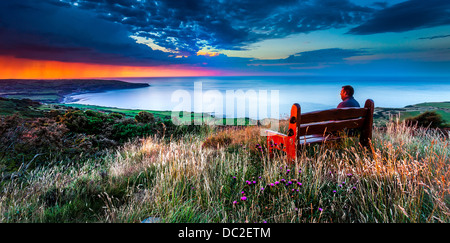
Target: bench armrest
[{"x": 280, "y": 141}]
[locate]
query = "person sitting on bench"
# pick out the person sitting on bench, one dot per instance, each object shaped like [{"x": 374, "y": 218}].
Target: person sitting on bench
[{"x": 347, "y": 92}]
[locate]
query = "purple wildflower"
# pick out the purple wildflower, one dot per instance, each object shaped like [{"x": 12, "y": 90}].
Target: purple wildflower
[
  {"x": 320, "y": 209},
  {"x": 244, "y": 198},
  {"x": 276, "y": 182}
]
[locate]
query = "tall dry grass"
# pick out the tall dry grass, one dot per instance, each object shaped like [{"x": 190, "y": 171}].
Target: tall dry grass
[{"x": 226, "y": 176}]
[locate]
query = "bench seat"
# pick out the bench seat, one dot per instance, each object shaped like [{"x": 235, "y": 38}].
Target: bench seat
[{"x": 321, "y": 127}]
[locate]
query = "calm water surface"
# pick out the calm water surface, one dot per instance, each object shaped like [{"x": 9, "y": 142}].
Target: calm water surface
[{"x": 312, "y": 93}]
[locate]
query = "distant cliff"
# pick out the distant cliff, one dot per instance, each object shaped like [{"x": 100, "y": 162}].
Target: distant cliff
[{"x": 53, "y": 91}]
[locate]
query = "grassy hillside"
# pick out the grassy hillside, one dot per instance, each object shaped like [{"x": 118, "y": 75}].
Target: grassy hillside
[
  {"x": 442, "y": 108},
  {"x": 382, "y": 115},
  {"x": 403, "y": 178},
  {"x": 24, "y": 107},
  {"x": 97, "y": 164}
]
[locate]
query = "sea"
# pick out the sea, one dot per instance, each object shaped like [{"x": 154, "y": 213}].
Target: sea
[{"x": 261, "y": 97}]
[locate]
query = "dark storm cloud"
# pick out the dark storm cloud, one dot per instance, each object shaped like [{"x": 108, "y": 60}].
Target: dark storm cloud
[
  {"x": 188, "y": 26},
  {"x": 405, "y": 16},
  {"x": 35, "y": 30},
  {"x": 312, "y": 59}
]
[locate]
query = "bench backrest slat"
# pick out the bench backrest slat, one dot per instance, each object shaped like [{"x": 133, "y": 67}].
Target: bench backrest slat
[
  {"x": 333, "y": 114},
  {"x": 330, "y": 126}
]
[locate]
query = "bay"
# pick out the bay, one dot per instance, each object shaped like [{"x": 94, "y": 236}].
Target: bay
[{"x": 272, "y": 96}]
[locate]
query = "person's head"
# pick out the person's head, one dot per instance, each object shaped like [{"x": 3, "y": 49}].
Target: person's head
[{"x": 347, "y": 91}]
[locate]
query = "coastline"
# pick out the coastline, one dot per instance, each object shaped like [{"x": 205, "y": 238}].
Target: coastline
[
  {"x": 69, "y": 98},
  {"x": 60, "y": 90}
]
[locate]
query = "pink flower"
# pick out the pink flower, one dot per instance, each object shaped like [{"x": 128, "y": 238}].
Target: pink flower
[{"x": 244, "y": 198}]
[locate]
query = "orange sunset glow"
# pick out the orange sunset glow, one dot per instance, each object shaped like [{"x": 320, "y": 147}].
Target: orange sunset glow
[{"x": 18, "y": 68}]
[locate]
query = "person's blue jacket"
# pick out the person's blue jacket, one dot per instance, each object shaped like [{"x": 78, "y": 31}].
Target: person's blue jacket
[{"x": 348, "y": 102}]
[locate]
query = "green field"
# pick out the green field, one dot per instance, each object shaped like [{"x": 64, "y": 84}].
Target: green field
[
  {"x": 444, "y": 105},
  {"x": 126, "y": 112},
  {"x": 383, "y": 115}
]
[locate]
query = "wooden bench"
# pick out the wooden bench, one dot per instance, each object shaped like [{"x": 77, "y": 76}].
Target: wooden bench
[{"x": 322, "y": 126}]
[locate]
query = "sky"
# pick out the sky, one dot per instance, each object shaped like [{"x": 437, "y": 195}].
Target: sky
[{"x": 143, "y": 38}]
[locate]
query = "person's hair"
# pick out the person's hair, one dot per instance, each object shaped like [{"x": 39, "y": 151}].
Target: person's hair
[{"x": 349, "y": 90}]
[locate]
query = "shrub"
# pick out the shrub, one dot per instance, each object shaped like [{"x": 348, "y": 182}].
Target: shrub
[
  {"x": 145, "y": 117},
  {"x": 426, "y": 119}
]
